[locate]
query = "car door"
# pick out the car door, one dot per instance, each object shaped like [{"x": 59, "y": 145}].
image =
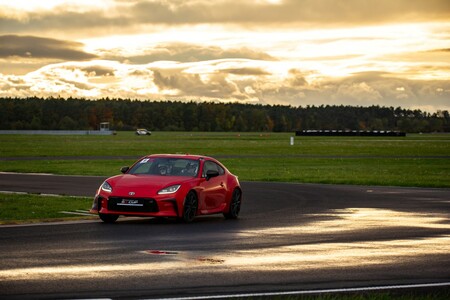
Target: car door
[{"x": 214, "y": 189}]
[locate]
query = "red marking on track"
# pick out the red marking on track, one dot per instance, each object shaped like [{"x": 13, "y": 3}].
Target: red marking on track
[{"x": 161, "y": 252}]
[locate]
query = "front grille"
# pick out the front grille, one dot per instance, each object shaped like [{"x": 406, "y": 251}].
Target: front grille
[{"x": 132, "y": 204}]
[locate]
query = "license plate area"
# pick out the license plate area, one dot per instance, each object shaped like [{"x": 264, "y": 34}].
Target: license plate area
[{"x": 132, "y": 204}]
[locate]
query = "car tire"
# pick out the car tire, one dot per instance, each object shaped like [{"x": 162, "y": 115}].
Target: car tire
[
  {"x": 108, "y": 218},
  {"x": 235, "y": 205},
  {"x": 190, "y": 207}
]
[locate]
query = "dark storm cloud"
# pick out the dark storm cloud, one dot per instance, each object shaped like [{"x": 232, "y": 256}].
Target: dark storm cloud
[
  {"x": 193, "y": 85},
  {"x": 296, "y": 78},
  {"x": 288, "y": 11},
  {"x": 38, "y": 47},
  {"x": 125, "y": 16},
  {"x": 98, "y": 71},
  {"x": 245, "y": 71},
  {"x": 445, "y": 50},
  {"x": 365, "y": 89},
  {"x": 61, "y": 20},
  {"x": 183, "y": 52}
]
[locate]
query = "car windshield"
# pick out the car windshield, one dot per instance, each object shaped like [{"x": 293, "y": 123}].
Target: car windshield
[{"x": 162, "y": 166}]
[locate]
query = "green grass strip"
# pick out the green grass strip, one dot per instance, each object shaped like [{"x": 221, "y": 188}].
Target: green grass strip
[
  {"x": 415, "y": 160},
  {"x": 17, "y": 208}
]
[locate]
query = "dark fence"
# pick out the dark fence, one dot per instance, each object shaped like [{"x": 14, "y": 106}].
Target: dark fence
[{"x": 349, "y": 133}]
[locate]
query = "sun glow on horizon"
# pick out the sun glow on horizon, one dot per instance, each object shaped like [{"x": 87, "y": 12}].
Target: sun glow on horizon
[{"x": 194, "y": 48}]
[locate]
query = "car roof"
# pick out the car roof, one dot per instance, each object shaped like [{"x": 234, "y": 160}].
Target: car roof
[{"x": 186, "y": 156}]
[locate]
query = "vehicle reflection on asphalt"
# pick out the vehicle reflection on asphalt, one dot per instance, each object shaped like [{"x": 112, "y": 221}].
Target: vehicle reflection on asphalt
[
  {"x": 317, "y": 251},
  {"x": 349, "y": 222},
  {"x": 351, "y": 219}
]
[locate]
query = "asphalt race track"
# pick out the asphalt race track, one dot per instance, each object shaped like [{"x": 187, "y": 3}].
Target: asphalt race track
[{"x": 289, "y": 237}]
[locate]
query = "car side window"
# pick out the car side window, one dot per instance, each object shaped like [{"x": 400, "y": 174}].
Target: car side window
[
  {"x": 209, "y": 165},
  {"x": 220, "y": 169}
]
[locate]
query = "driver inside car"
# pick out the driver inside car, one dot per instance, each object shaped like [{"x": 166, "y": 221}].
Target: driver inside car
[{"x": 190, "y": 169}]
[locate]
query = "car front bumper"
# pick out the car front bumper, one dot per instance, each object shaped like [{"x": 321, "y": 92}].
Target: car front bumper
[{"x": 145, "y": 207}]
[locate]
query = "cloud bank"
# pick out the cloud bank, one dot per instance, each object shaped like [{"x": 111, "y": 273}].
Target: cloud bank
[
  {"x": 38, "y": 47},
  {"x": 290, "y": 52},
  {"x": 227, "y": 80},
  {"x": 129, "y": 14}
]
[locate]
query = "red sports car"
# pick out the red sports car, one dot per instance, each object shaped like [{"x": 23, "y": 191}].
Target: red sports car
[{"x": 169, "y": 185}]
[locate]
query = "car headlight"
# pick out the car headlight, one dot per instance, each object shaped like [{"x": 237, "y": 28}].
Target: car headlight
[
  {"x": 106, "y": 187},
  {"x": 169, "y": 190}
]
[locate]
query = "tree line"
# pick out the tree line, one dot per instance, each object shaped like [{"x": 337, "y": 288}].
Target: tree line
[{"x": 122, "y": 114}]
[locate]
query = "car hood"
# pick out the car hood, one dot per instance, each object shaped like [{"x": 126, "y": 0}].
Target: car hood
[{"x": 143, "y": 185}]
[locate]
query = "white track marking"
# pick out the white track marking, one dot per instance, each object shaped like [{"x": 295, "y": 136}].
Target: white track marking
[{"x": 306, "y": 292}]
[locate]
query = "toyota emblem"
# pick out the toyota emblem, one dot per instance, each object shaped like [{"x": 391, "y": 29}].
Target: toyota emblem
[{"x": 131, "y": 193}]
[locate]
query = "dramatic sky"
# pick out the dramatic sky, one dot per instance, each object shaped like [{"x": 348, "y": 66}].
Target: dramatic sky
[{"x": 290, "y": 52}]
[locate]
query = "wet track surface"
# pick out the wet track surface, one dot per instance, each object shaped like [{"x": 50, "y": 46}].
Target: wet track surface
[{"x": 289, "y": 237}]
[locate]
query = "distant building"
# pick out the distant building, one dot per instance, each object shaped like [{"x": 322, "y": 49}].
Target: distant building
[{"x": 104, "y": 126}]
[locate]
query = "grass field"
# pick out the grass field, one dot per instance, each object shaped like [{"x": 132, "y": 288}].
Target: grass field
[
  {"x": 37, "y": 208},
  {"x": 415, "y": 160}
]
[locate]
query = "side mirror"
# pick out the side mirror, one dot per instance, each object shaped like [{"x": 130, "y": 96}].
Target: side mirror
[
  {"x": 211, "y": 173},
  {"x": 124, "y": 169}
]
